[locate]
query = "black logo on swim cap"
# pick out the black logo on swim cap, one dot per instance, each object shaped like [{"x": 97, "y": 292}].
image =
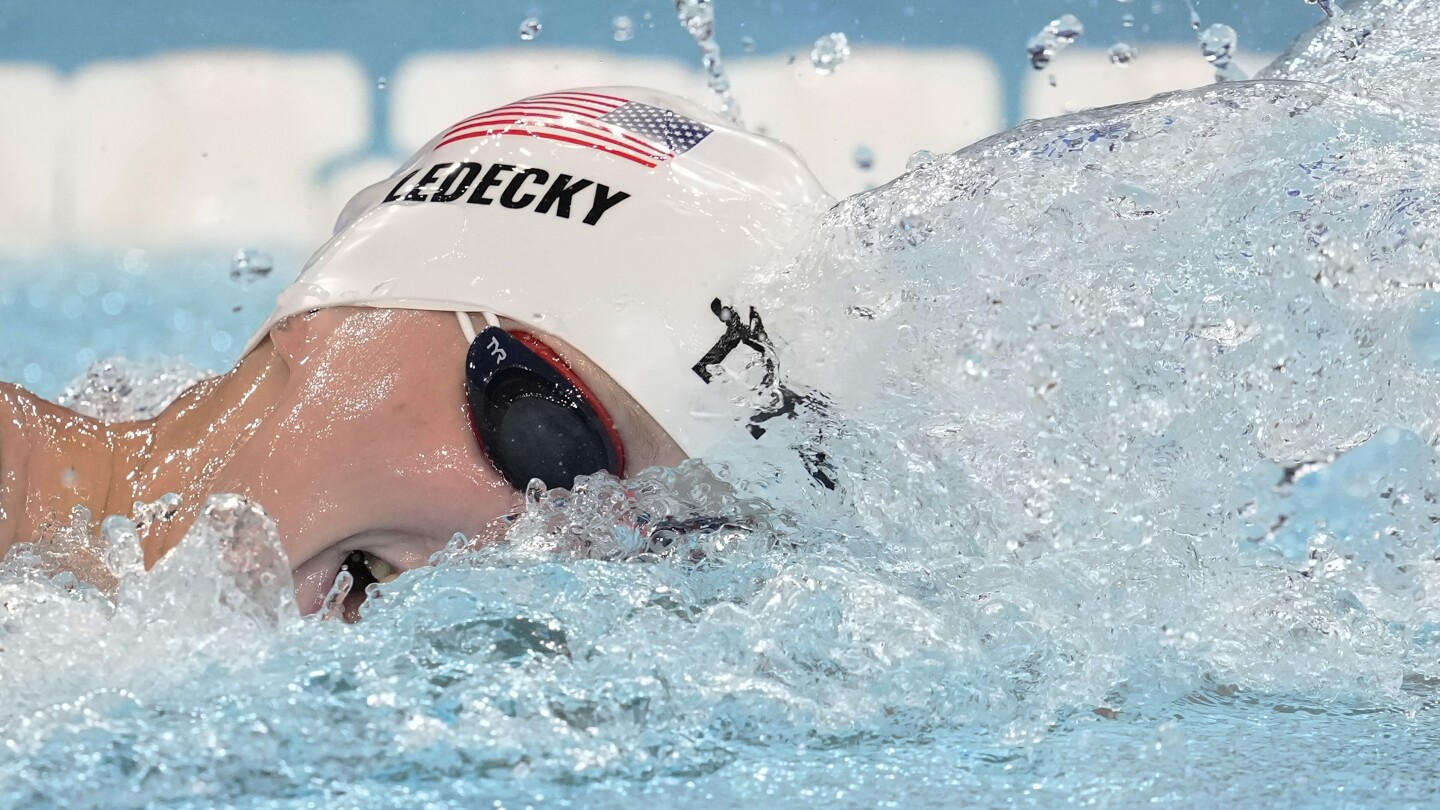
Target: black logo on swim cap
[
  {"x": 788, "y": 403},
  {"x": 751, "y": 333}
]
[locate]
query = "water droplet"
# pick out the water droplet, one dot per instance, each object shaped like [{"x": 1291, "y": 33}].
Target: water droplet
[
  {"x": 1127, "y": 20},
  {"x": 381, "y": 83},
  {"x": 1217, "y": 44},
  {"x": 622, "y": 28},
  {"x": 864, "y": 158},
  {"x": 529, "y": 28},
  {"x": 1052, "y": 39},
  {"x": 123, "y": 554},
  {"x": 1068, "y": 28},
  {"x": 919, "y": 158},
  {"x": 1122, "y": 54},
  {"x": 698, "y": 18},
  {"x": 250, "y": 265},
  {"x": 747, "y": 44},
  {"x": 829, "y": 52}
]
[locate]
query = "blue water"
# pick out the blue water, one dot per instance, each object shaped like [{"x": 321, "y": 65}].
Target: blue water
[{"x": 1133, "y": 417}]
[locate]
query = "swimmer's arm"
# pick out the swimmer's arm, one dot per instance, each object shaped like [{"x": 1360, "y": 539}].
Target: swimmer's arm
[{"x": 12, "y": 480}]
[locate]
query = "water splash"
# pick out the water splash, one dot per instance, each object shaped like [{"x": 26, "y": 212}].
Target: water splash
[
  {"x": 119, "y": 389},
  {"x": 1134, "y": 428},
  {"x": 698, "y": 19}
]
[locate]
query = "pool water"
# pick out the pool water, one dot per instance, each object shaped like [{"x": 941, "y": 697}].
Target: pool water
[{"x": 1132, "y": 417}]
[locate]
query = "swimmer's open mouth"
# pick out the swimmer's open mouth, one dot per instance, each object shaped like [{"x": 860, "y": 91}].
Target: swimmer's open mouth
[{"x": 316, "y": 578}]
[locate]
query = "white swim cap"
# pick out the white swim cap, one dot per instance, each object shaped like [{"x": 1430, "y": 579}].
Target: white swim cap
[{"x": 612, "y": 218}]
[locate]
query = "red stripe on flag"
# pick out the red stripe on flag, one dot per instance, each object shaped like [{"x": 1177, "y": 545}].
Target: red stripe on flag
[
  {"x": 522, "y": 124},
  {"x": 649, "y": 149},
  {"x": 552, "y": 137},
  {"x": 522, "y": 108}
]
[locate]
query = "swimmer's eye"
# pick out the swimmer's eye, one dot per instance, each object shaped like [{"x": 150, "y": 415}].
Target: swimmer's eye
[{"x": 367, "y": 569}]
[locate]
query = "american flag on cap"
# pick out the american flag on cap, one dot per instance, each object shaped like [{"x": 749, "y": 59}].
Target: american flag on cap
[{"x": 637, "y": 132}]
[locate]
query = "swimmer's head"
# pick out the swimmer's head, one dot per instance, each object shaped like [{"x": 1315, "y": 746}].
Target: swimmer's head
[{"x": 618, "y": 220}]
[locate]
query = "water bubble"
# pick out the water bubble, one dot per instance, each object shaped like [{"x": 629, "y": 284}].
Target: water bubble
[
  {"x": 250, "y": 266},
  {"x": 381, "y": 83},
  {"x": 747, "y": 44},
  {"x": 864, "y": 158},
  {"x": 1052, "y": 39},
  {"x": 1127, "y": 20},
  {"x": 622, "y": 28},
  {"x": 1122, "y": 54},
  {"x": 529, "y": 28},
  {"x": 829, "y": 52},
  {"x": 918, "y": 158}
]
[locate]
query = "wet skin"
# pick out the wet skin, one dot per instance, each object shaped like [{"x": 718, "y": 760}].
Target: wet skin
[{"x": 349, "y": 426}]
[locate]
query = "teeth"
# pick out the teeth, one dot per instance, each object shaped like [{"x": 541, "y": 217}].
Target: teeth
[{"x": 381, "y": 570}]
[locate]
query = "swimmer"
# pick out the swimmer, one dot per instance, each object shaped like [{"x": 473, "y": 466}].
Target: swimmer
[{"x": 542, "y": 291}]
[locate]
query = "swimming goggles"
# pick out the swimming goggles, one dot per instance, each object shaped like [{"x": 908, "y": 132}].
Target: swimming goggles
[{"x": 532, "y": 416}]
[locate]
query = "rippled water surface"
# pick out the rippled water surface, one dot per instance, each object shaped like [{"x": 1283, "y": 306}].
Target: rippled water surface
[{"x": 1132, "y": 418}]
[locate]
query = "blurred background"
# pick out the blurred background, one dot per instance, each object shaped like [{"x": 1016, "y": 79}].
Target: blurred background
[{"x": 168, "y": 164}]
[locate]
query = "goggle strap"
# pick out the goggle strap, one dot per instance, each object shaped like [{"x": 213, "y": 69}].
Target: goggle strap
[{"x": 467, "y": 327}]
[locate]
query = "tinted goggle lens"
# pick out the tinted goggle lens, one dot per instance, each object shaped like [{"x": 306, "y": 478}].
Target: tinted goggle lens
[{"x": 532, "y": 416}]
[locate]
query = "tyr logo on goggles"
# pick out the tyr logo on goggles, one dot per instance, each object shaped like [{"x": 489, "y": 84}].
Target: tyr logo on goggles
[{"x": 533, "y": 416}]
